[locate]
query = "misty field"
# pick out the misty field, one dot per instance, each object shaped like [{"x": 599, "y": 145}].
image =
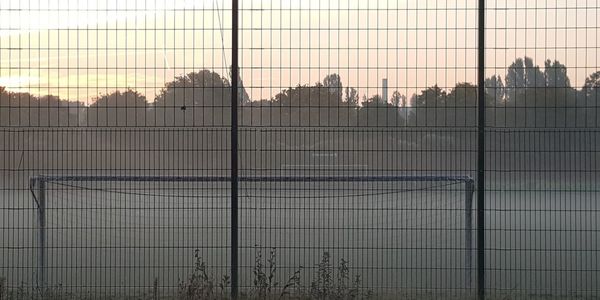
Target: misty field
[{"x": 124, "y": 238}]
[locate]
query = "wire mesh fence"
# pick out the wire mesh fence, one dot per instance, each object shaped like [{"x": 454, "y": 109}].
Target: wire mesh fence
[
  {"x": 120, "y": 233},
  {"x": 357, "y": 141},
  {"x": 542, "y": 149}
]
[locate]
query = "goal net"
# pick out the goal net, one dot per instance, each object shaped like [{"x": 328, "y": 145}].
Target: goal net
[{"x": 115, "y": 233}]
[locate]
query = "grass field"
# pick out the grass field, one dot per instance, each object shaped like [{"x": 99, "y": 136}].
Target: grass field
[{"x": 541, "y": 243}]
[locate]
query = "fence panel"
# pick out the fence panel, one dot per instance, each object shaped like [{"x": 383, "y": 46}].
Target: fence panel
[
  {"x": 542, "y": 149},
  {"x": 358, "y": 88},
  {"x": 357, "y": 149},
  {"x": 135, "y": 88}
]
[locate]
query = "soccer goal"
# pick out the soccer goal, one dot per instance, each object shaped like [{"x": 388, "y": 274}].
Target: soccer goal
[{"x": 146, "y": 225}]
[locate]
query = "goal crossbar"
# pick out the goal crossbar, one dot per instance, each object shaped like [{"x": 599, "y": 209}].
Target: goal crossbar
[{"x": 134, "y": 178}]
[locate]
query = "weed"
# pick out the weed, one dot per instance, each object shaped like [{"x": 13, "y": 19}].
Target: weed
[
  {"x": 225, "y": 282},
  {"x": 293, "y": 285},
  {"x": 264, "y": 283},
  {"x": 321, "y": 288},
  {"x": 199, "y": 285},
  {"x": 329, "y": 283},
  {"x": 324, "y": 288},
  {"x": 7, "y": 294},
  {"x": 3, "y": 289},
  {"x": 155, "y": 289}
]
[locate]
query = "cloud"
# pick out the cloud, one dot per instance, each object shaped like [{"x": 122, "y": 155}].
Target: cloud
[
  {"x": 22, "y": 18},
  {"x": 18, "y": 83}
]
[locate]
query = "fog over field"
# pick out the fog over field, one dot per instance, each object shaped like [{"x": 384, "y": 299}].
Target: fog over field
[
  {"x": 396, "y": 240},
  {"x": 541, "y": 208},
  {"x": 382, "y": 149}
]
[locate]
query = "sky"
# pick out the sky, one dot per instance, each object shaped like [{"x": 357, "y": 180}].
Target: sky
[{"x": 79, "y": 49}]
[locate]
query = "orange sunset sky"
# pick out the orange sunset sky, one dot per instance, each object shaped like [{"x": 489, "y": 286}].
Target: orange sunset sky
[{"x": 78, "y": 49}]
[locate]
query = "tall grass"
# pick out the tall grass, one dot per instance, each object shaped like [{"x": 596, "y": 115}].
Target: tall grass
[{"x": 329, "y": 282}]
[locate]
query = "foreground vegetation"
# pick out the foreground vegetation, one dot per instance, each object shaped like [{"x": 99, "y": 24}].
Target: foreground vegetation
[
  {"x": 201, "y": 285},
  {"x": 330, "y": 282}
]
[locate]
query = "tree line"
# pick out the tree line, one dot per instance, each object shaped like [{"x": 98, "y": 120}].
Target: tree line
[{"x": 528, "y": 96}]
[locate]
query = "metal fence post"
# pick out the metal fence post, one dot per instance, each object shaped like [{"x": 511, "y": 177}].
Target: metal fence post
[
  {"x": 41, "y": 276},
  {"x": 469, "y": 191},
  {"x": 234, "y": 149},
  {"x": 481, "y": 155}
]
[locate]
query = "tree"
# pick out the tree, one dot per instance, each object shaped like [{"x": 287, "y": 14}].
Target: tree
[
  {"x": 118, "y": 109},
  {"x": 351, "y": 97},
  {"x": 538, "y": 99},
  {"x": 494, "y": 87},
  {"x": 196, "y": 99},
  {"x": 589, "y": 101},
  {"x": 333, "y": 83},
  {"x": 25, "y": 109},
  {"x": 523, "y": 74},
  {"x": 307, "y": 105},
  {"x": 398, "y": 99},
  {"x": 428, "y": 107},
  {"x": 534, "y": 77},
  {"x": 375, "y": 99},
  {"x": 413, "y": 100},
  {"x": 461, "y": 105},
  {"x": 515, "y": 75},
  {"x": 363, "y": 100},
  {"x": 431, "y": 97},
  {"x": 4, "y": 107},
  {"x": 592, "y": 82},
  {"x": 556, "y": 74},
  {"x": 375, "y": 112}
]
